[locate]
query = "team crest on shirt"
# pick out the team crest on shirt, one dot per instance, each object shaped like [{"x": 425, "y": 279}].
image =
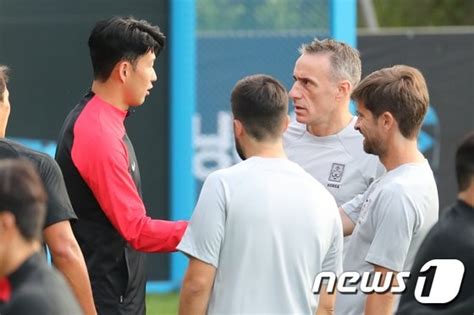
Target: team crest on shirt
[{"x": 337, "y": 170}]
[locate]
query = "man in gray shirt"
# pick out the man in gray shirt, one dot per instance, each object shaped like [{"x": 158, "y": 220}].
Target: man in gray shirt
[
  {"x": 323, "y": 140},
  {"x": 262, "y": 229},
  {"x": 400, "y": 207}
]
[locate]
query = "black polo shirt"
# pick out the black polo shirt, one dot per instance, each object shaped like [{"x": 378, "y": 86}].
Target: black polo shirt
[
  {"x": 451, "y": 238},
  {"x": 38, "y": 289},
  {"x": 59, "y": 205}
]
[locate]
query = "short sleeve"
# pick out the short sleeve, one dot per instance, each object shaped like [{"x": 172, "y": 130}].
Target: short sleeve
[
  {"x": 59, "y": 205},
  {"x": 353, "y": 206},
  {"x": 205, "y": 233},
  {"x": 333, "y": 260},
  {"x": 394, "y": 219}
]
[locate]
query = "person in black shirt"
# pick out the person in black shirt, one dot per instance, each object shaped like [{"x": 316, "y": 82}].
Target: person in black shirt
[
  {"x": 451, "y": 238},
  {"x": 57, "y": 233},
  {"x": 35, "y": 288}
]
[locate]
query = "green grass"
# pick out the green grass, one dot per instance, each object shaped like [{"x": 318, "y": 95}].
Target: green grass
[{"x": 162, "y": 304}]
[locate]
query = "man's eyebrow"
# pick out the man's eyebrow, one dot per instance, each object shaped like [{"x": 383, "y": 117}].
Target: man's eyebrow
[{"x": 303, "y": 78}]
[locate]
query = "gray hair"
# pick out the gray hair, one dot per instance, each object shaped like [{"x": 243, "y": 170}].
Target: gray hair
[{"x": 345, "y": 60}]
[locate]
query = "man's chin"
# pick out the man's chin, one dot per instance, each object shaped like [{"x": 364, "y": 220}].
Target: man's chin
[
  {"x": 368, "y": 149},
  {"x": 301, "y": 119}
]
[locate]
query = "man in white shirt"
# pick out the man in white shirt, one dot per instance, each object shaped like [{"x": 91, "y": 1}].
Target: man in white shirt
[
  {"x": 264, "y": 228},
  {"x": 400, "y": 207},
  {"x": 322, "y": 140}
]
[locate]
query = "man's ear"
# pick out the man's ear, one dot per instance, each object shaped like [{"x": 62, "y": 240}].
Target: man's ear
[
  {"x": 123, "y": 69},
  {"x": 343, "y": 89},
  {"x": 387, "y": 120},
  {"x": 238, "y": 128},
  {"x": 7, "y": 221}
]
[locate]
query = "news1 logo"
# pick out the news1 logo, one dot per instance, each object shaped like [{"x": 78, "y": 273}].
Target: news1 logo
[
  {"x": 439, "y": 282},
  {"x": 446, "y": 275}
]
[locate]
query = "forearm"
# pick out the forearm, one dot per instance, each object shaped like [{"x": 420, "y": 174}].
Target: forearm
[
  {"x": 347, "y": 224},
  {"x": 68, "y": 259},
  {"x": 326, "y": 302},
  {"x": 197, "y": 287},
  {"x": 379, "y": 304},
  {"x": 74, "y": 270},
  {"x": 193, "y": 302},
  {"x": 324, "y": 311},
  {"x": 156, "y": 235}
]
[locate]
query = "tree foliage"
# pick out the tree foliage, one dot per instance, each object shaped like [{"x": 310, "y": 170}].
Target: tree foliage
[
  {"x": 400, "y": 13},
  {"x": 222, "y": 15}
]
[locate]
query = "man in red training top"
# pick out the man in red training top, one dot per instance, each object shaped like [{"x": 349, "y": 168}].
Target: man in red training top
[{"x": 101, "y": 171}]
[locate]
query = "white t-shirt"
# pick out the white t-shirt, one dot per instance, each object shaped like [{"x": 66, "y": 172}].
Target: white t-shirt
[
  {"x": 269, "y": 228},
  {"x": 338, "y": 161},
  {"x": 396, "y": 213}
]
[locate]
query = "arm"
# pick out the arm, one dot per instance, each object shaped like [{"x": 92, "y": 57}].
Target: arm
[
  {"x": 326, "y": 302},
  {"x": 347, "y": 224},
  {"x": 68, "y": 259},
  {"x": 381, "y": 303},
  {"x": 105, "y": 168},
  {"x": 196, "y": 289},
  {"x": 332, "y": 262}
]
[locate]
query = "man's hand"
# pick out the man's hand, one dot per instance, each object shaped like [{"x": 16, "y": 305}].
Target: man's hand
[{"x": 196, "y": 289}]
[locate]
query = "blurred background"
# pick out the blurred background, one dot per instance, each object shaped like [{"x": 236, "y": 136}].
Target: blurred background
[{"x": 184, "y": 131}]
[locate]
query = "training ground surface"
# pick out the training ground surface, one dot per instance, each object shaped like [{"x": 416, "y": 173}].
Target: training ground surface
[{"x": 162, "y": 304}]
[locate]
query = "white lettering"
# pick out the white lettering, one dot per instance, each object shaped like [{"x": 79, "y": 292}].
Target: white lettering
[
  {"x": 351, "y": 277},
  {"x": 318, "y": 282},
  {"x": 368, "y": 286}
]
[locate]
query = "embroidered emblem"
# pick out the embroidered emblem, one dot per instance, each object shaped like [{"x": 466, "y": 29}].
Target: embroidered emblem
[{"x": 337, "y": 170}]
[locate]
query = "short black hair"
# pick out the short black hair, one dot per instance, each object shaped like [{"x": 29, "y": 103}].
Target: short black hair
[
  {"x": 465, "y": 162},
  {"x": 22, "y": 194},
  {"x": 260, "y": 102},
  {"x": 121, "y": 38}
]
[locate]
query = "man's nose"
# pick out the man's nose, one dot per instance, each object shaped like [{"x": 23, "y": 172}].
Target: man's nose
[
  {"x": 294, "y": 93},
  {"x": 357, "y": 124}
]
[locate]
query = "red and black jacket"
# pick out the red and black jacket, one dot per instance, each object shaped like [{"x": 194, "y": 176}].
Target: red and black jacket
[{"x": 103, "y": 182}]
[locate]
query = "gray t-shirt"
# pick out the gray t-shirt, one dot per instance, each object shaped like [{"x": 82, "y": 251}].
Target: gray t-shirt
[
  {"x": 396, "y": 213},
  {"x": 339, "y": 161},
  {"x": 269, "y": 228}
]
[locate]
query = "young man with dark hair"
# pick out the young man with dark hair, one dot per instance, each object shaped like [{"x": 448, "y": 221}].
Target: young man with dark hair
[
  {"x": 400, "y": 207},
  {"x": 264, "y": 228},
  {"x": 101, "y": 171},
  {"x": 57, "y": 233},
  {"x": 450, "y": 238},
  {"x": 35, "y": 287},
  {"x": 322, "y": 140}
]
